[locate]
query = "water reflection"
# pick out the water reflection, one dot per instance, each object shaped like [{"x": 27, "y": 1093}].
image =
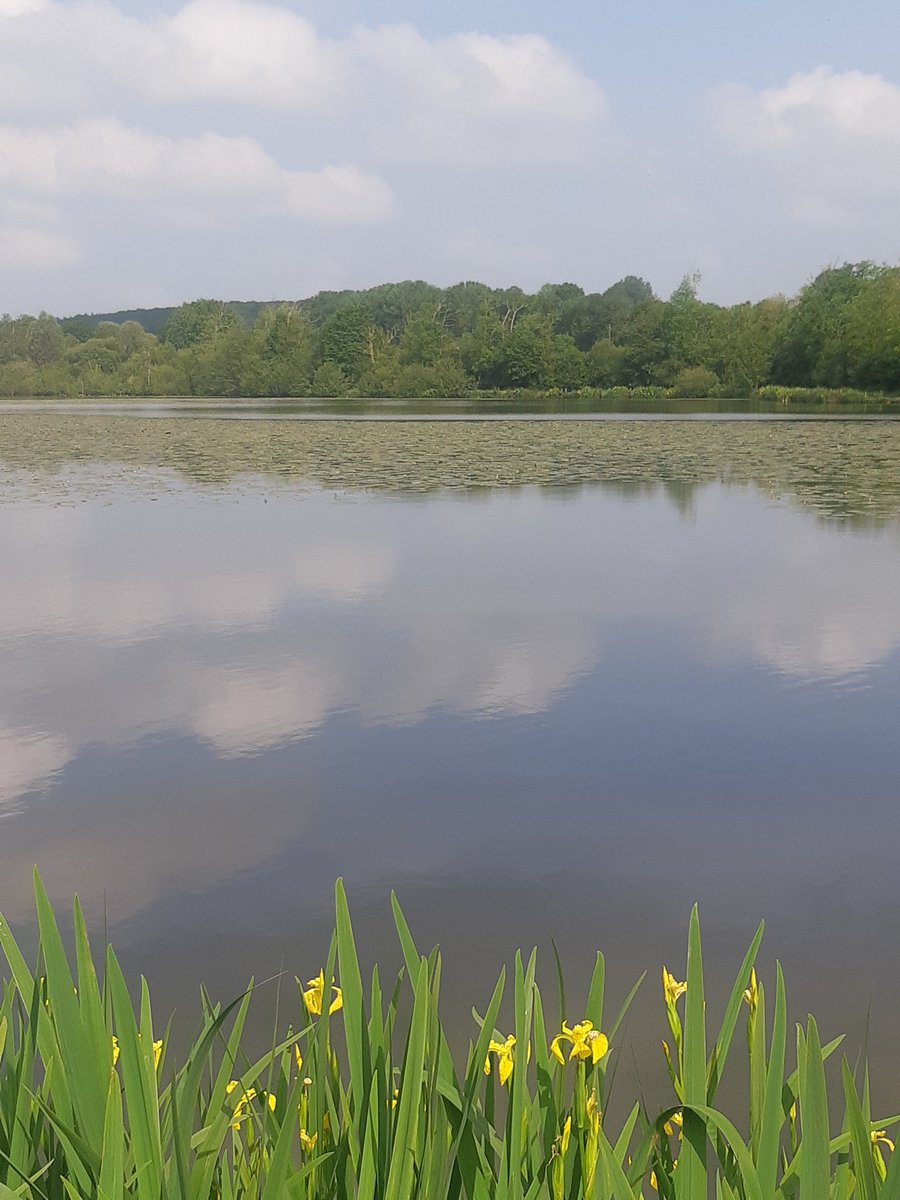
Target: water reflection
[{"x": 222, "y": 688}]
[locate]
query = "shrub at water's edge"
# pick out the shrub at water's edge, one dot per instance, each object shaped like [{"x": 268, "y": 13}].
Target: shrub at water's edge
[{"x": 363, "y": 1099}]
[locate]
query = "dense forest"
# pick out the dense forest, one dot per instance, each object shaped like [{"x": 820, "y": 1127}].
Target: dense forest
[{"x": 841, "y": 333}]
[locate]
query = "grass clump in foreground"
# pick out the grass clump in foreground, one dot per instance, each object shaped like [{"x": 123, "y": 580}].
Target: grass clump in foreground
[{"x": 364, "y": 1100}]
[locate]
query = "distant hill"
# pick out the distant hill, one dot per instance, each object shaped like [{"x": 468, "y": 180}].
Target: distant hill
[{"x": 153, "y": 319}]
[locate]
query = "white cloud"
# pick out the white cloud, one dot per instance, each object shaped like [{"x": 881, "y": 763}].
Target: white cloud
[
  {"x": 26, "y": 249},
  {"x": 339, "y": 195},
  {"x": 244, "y": 52},
  {"x": 473, "y": 98},
  {"x": 832, "y": 138},
  {"x": 18, "y": 8},
  {"x": 470, "y": 98},
  {"x": 105, "y": 157},
  {"x": 222, "y": 115}
]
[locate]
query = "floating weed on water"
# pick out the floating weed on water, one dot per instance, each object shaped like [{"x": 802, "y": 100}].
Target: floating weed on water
[{"x": 365, "y": 1104}]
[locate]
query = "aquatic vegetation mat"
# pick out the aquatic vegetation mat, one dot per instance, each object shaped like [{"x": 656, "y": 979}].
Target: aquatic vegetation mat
[
  {"x": 843, "y": 470},
  {"x": 362, "y": 1098}
]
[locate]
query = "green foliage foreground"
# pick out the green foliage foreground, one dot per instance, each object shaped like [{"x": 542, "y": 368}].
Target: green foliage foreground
[{"x": 365, "y": 1100}]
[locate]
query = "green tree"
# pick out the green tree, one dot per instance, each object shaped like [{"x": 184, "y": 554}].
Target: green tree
[
  {"x": 464, "y": 304},
  {"x": 527, "y": 353},
  {"x": 278, "y": 354},
  {"x": 604, "y": 314},
  {"x": 482, "y": 346},
  {"x": 872, "y": 334},
  {"x": 604, "y": 363},
  {"x": 425, "y": 338},
  {"x": 347, "y": 340},
  {"x": 696, "y": 383},
  {"x": 329, "y": 380},
  {"x": 46, "y": 341},
  {"x": 569, "y": 369},
  {"x": 647, "y": 357},
  {"x": 198, "y": 321},
  {"x": 749, "y": 336},
  {"x": 811, "y": 348}
]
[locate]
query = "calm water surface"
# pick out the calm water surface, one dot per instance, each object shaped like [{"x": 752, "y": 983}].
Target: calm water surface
[{"x": 553, "y": 679}]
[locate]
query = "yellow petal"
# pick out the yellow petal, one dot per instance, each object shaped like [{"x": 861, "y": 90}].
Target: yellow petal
[
  {"x": 599, "y": 1047},
  {"x": 566, "y": 1136},
  {"x": 880, "y": 1135},
  {"x": 312, "y": 996},
  {"x": 298, "y": 1058},
  {"x": 505, "y": 1068},
  {"x": 338, "y": 1001},
  {"x": 555, "y": 1050},
  {"x": 671, "y": 987}
]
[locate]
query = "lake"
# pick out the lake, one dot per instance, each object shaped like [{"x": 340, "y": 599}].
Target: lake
[{"x": 550, "y": 677}]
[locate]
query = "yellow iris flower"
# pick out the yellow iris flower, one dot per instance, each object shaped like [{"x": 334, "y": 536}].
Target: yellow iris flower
[
  {"x": 879, "y": 1139},
  {"x": 671, "y": 987},
  {"x": 240, "y": 1109},
  {"x": 676, "y": 1119},
  {"x": 504, "y": 1052},
  {"x": 585, "y": 1042},
  {"x": 314, "y": 995},
  {"x": 242, "y": 1104},
  {"x": 307, "y": 1141},
  {"x": 157, "y": 1051},
  {"x": 751, "y": 995}
]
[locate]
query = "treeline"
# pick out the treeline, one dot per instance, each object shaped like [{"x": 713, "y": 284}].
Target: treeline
[{"x": 841, "y": 332}]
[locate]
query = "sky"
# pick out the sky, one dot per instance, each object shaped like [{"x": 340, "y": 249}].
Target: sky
[{"x": 158, "y": 151}]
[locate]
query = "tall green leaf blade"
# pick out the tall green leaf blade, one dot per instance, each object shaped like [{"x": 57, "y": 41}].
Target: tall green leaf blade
[
  {"x": 142, "y": 1122},
  {"x": 772, "y": 1123},
  {"x": 86, "y": 1069},
  {"x": 690, "y": 1178},
  {"x": 110, "y": 1185},
  {"x": 815, "y": 1158},
  {"x": 354, "y": 1014},
  {"x": 863, "y": 1167},
  {"x": 403, "y": 1157},
  {"x": 732, "y": 1008}
]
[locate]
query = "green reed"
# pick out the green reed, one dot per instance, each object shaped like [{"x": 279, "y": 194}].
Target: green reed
[{"x": 364, "y": 1100}]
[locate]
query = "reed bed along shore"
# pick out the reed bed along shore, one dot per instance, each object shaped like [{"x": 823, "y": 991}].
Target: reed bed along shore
[{"x": 361, "y": 1098}]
